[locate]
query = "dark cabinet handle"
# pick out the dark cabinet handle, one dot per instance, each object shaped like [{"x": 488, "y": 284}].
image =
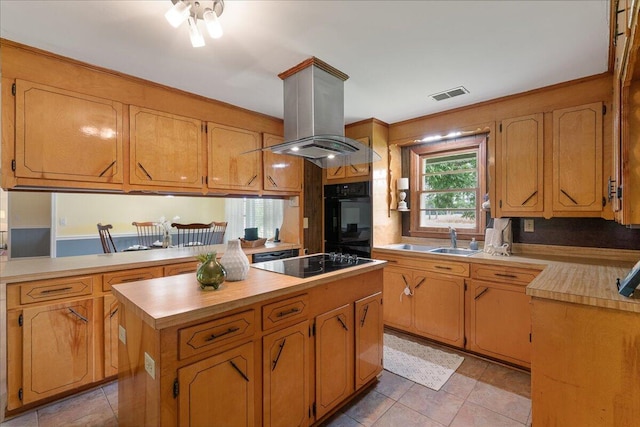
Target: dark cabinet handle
[
  {"x": 227, "y": 332},
  {"x": 355, "y": 169},
  {"x": 508, "y": 276},
  {"x": 145, "y": 171},
  {"x": 113, "y": 313},
  {"x": 252, "y": 179},
  {"x": 529, "y": 198},
  {"x": 107, "y": 168},
  {"x": 239, "y": 371},
  {"x": 50, "y": 291},
  {"x": 419, "y": 283},
  {"x": 568, "y": 196},
  {"x": 405, "y": 281},
  {"x": 132, "y": 279},
  {"x": 441, "y": 267},
  {"x": 272, "y": 181},
  {"x": 481, "y": 293},
  {"x": 364, "y": 316},
  {"x": 288, "y": 312},
  {"x": 337, "y": 170},
  {"x": 344, "y": 325},
  {"x": 275, "y": 362},
  {"x": 78, "y": 315}
]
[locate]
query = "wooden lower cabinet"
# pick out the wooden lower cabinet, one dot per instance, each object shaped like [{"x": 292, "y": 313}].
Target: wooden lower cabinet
[
  {"x": 58, "y": 349},
  {"x": 369, "y": 332},
  {"x": 110, "y": 327},
  {"x": 397, "y": 308},
  {"x": 334, "y": 358},
  {"x": 219, "y": 390},
  {"x": 285, "y": 377}
]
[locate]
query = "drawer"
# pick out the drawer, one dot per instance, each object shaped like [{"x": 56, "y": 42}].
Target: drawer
[
  {"x": 428, "y": 264},
  {"x": 47, "y": 290},
  {"x": 285, "y": 311},
  {"x": 186, "y": 267},
  {"x": 207, "y": 336},
  {"x": 494, "y": 273},
  {"x": 133, "y": 275}
]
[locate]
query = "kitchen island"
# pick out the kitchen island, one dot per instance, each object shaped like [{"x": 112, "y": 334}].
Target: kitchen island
[{"x": 269, "y": 350}]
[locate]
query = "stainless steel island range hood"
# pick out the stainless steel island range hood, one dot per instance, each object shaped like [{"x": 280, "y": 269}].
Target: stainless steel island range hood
[{"x": 314, "y": 117}]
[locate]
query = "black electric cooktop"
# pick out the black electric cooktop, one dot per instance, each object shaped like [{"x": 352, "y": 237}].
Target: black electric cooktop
[{"x": 312, "y": 265}]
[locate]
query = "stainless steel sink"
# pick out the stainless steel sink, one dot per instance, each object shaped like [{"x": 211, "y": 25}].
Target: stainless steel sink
[
  {"x": 453, "y": 251},
  {"x": 410, "y": 247}
]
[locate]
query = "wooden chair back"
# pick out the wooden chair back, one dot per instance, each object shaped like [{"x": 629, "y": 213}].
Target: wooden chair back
[
  {"x": 194, "y": 234},
  {"x": 105, "y": 238},
  {"x": 148, "y": 233}
]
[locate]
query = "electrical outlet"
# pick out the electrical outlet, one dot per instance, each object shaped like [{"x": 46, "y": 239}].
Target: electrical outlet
[
  {"x": 305, "y": 222},
  {"x": 528, "y": 226},
  {"x": 150, "y": 365},
  {"x": 122, "y": 334},
  {"x": 63, "y": 221}
]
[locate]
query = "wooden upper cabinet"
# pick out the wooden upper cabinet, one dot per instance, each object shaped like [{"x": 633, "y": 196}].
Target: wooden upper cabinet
[
  {"x": 351, "y": 171},
  {"x": 67, "y": 136},
  {"x": 577, "y": 159},
  {"x": 519, "y": 167},
  {"x": 166, "y": 149},
  {"x": 235, "y": 159},
  {"x": 281, "y": 172}
]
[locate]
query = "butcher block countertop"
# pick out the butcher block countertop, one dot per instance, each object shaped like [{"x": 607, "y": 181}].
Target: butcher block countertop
[
  {"x": 24, "y": 270},
  {"x": 171, "y": 301},
  {"x": 576, "y": 275}
]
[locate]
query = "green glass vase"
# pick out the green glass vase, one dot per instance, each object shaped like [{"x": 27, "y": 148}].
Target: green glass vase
[{"x": 210, "y": 274}]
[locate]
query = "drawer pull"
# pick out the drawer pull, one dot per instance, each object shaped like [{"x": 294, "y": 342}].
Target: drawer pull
[
  {"x": 392, "y": 260},
  {"x": 442, "y": 267},
  {"x": 288, "y": 312},
  {"x": 364, "y": 316},
  {"x": 419, "y": 283},
  {"x": 50, "y": 291},
  {"x": 510, "y": 276},
  {"x": 239, "y": 371},
  {"x": 78, "y": 315},
  {"x": 227, "y": 332},
  {"x": 344, "y": 325},
  {"x": 481, "y": 293},
  {"x": 275, "y": 362},
  {"x": 113, "y": 313},
  {"x": 133, "y": 279}
]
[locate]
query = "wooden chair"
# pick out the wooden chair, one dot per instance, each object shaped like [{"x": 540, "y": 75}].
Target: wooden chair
[
  {"x": 197, "y": 234},
  {"x": 105, "y": 238},
  {"x": 148, "y": 233}
]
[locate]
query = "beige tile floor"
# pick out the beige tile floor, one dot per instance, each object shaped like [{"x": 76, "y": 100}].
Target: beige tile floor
[{"x": 479, "y": 394}]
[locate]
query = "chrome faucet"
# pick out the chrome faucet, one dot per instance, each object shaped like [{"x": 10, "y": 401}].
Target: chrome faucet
[{"x": 454, "y": 237}]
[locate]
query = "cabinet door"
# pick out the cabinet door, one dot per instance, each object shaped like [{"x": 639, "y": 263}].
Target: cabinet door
[
  {"x": 281, "y": 172},
  {"x": 285, "y": 368},
  {"x": 499, "y": 321},
  {"x": 235, "y": 159},
  {"x": 519, "y": 166},
  {"x": 348, "y": 170},
  {"x": 397, "y": 306},
  {"x": 369, "y": 341},
  {"x": 219, "y": 390},
  {"x": 54, "y": 127},
  {"x": 58, "y": 349},
  {"x": 166, "y": 149},
  {"x": 577, "y": 159},
  {"x": 438, "y": 310},
  {"x": 110, "y": 325},
  {"x": 334, "y": 358}
]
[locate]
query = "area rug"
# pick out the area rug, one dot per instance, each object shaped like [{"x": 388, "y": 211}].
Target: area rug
[{"x": 418, "y": 362}]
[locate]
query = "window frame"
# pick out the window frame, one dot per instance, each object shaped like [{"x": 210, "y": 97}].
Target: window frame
[{"x": 452, "y": 146}]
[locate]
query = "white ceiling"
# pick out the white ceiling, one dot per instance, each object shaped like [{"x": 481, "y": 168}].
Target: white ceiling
[{"x": 395, "y": 52}]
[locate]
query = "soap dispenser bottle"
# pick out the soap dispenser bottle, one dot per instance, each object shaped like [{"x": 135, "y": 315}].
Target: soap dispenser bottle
[{"x": 473, "y": 245}]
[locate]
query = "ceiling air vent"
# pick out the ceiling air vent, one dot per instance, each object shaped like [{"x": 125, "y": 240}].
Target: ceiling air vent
[{"x": 440, "y": 96}]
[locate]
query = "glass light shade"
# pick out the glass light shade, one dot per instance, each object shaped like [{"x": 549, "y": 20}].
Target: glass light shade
[
  {"x": 194, "y": 33},
  {"x": 403, "y": 183},
  {"x": 213, "y": 24},
  {"x": 178, "y": 13}
]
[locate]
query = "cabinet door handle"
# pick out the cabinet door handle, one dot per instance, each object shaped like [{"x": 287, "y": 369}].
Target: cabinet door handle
[
  {"x": 132, "y": 279},
  {"x": 50, "y": 291},
  {"x": 275, "y": 362},
  {"x": 227, "y": 332},
  {"x": 239, "y": 371},
  {"x": 355, "y": 169},
  {"x": 529, "y": 198},
  {"x": 344, "y": 325},
  {"x": 107, "y": 168},
  {"x": 481, "y": 293},
  {"x": 78, "y": 315},
  {"x": 419, "y": 283},
  {"x": 405, "y": 281},
  {"x": 252, "y": 179},
  {"x": 337, "y": 170},
  {"x": 509, "y": 276},
  {"x": 288, "y": 312},
  {"x": 364, "y": 316},
  {"x": 568, "y": 196},
  {"x": 442, "y": 267},
  {"x": 272, "y": 181},
  {"x": 113, "y": 313},
  {"x": 145, "y": 171}
]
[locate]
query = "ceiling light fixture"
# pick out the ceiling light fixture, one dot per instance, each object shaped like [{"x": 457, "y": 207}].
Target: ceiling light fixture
[{"x": 191, "y": 11}]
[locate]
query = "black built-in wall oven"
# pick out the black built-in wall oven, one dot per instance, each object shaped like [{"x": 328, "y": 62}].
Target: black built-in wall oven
[{"x": 347, "y": 218}]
